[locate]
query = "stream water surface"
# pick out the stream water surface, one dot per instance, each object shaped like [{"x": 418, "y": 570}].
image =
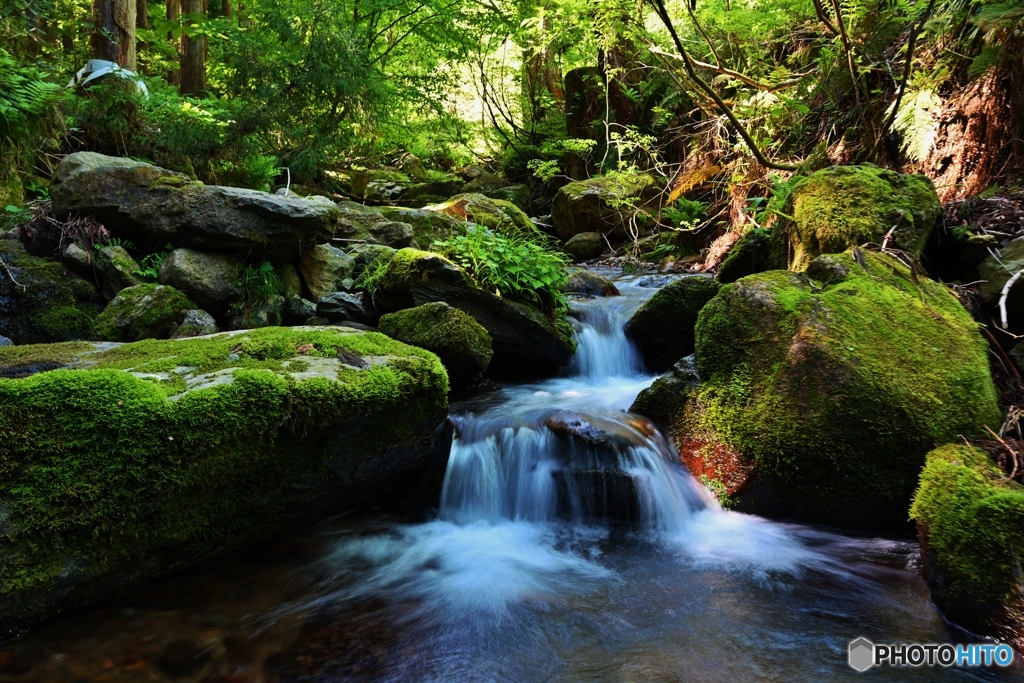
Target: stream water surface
[{"x": 568, "y": 545}]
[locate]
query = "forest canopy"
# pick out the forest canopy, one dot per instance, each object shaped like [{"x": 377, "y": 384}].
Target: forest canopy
[{"x": 707, "y": 95}]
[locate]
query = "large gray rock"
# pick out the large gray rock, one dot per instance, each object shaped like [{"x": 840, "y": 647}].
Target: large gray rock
[
  {"x": 359, "y": 224},
  {"x": 324, "y": 268},
  {"x": 116, "y": 270},
  {"x": 153, "y": 207},
  {"x": 341, "y": 306},
  {"x": 194, "y": 323},
  {"x": 427, "y": 226},
  {"x": 209, "y": 279},
  {"x": 525, "y": 341},
  {"x": 4, "y": 341}
]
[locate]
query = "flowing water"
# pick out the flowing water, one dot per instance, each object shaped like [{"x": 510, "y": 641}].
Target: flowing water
[{"x": 568, "y": 545}]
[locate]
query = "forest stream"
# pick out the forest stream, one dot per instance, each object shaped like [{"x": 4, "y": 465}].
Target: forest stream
[{"x": 568, "y": 545}]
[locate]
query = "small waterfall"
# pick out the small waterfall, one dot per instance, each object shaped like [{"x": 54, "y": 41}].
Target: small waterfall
[
  {"x": 602, "y": 347},
  {"x": 560, "y": 451}
]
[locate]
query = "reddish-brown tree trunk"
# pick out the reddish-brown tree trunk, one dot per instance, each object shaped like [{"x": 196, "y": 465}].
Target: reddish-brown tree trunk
[
  {"x": 113, "y": 37},
  {"x": 193, "y": 53},
  {"x": 173, "y": 12}
]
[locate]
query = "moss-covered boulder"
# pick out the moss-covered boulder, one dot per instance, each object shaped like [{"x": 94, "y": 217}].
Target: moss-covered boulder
[
  {"x": 970, "y": 520},
  {"x": 146, "y": 311},
  {"x": 463, "y": 346},
  {"x": 497, "y": 214},
  {"x": 115, "y": 269},
  {"x": 268, "y": 312},
  {"x": 525, "y": 340},
  {"x": 146, "y": 458},
  {"x": 830, "y": 387},
  {"x": 606, "y": 204},
  {"x": 663, "y": 327},
  {"x": 210, "y": 279},
  {"x": 153, "y": 207},
  {"x": 40, "y": 301},
  {"x": 847, "y": 206}
]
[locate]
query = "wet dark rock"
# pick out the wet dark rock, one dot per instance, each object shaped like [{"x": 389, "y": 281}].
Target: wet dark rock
[
  {"x": 183, "y": 657},
  {"x": 589, "y": 284},
  {"x": 298, "y": 310},
  {"x": 338, "y": 306},
  {"x": 663, "y": 327}
]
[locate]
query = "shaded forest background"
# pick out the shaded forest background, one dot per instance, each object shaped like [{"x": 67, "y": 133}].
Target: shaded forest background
[{"x": 720, "y": 100}]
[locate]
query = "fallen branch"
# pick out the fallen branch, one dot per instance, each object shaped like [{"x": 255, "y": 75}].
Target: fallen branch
[{"x": 1003, "y": 296}]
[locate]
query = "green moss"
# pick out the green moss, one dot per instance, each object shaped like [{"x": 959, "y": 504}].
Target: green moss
[
  {"x": 98, "y": 466},
  {"x": 141, "y": 311},
  {"x": 30, "y": 358},
  {"x": 846, "y": 206},
  {"x": 46, "y": 304},
  {"x": 437, "y": 326},
  {"x": 838, "y": 390},
  {"x": 972, "y": 517}
]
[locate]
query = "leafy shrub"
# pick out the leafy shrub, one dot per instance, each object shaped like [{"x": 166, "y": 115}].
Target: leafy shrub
[{"x": 516, "y": 266}]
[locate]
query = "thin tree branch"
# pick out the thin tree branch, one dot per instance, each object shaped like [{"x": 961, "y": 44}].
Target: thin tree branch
[{"x": 659, "y": 6}]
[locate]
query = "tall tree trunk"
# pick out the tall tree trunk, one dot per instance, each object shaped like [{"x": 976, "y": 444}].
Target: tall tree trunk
[
  {"x": 225, "y": 8},
  {"x": 113, "y": 36},
  {"x": 193, "y": 53},
  {"x": 142, "y": 20},
  {"x": 173, "y": 12}
]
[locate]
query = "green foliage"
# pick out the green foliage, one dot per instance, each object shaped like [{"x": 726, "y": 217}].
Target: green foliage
[
  {"x": 259, "y": 283},
  {"x": 26, "y": 98},
  {"x": 513, "y": 265},
  {"x": 918, "y": 121},
  {"x": 150, "y": 264}
]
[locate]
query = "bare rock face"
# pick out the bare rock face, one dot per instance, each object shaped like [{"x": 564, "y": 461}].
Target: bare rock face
[{"x": 152, "y": 207}]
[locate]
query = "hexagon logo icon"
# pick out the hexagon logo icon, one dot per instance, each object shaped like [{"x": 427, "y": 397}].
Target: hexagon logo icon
[{"x": 862, "y": 654}]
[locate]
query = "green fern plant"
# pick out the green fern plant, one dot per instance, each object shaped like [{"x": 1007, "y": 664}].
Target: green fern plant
[{"x": 917, "y": 121}]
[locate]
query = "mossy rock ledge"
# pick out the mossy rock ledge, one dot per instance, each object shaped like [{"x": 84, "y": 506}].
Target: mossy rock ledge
[
  {"x": 131, "y": 461},
  {"x": 970, "y": 521},
  {"x": 823, "y": 391}
]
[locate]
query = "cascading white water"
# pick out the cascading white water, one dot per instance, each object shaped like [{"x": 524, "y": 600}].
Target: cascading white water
[{"x": 564, "y": 449}]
